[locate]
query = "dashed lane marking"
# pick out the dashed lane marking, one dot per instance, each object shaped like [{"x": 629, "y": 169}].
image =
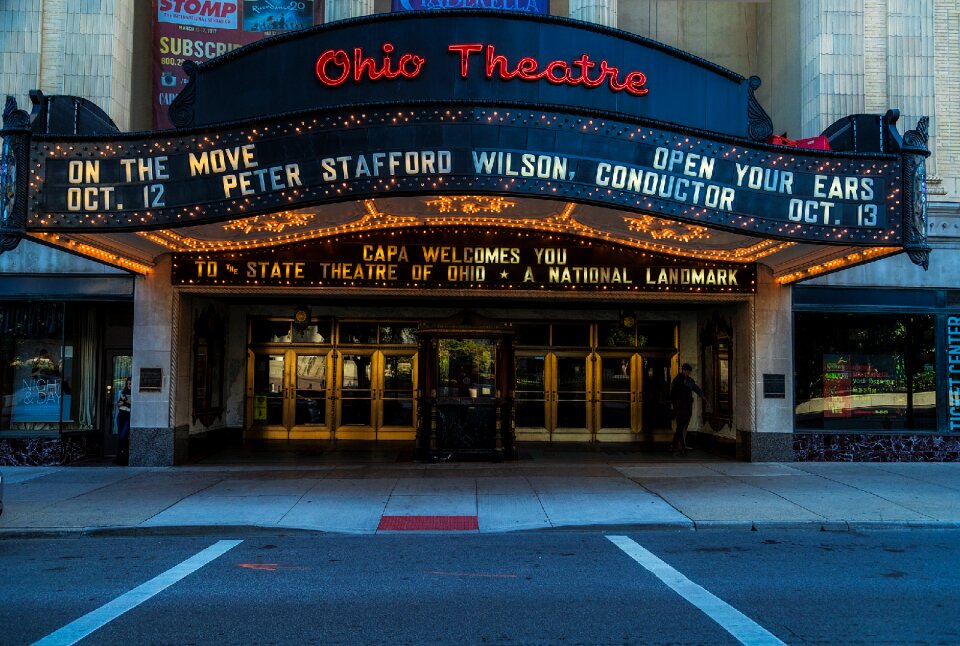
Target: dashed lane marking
[
  {"x": 92, "y": 621},
  {"x": 743, "y": 629}
]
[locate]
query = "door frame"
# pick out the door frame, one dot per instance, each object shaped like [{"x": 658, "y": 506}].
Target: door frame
[
  {"x": 603, "y": 433},
  {"x": 536, "y": 433},
  {"x": 466, "y": 325},
  {"x": 288, "y": 428},
  {"x": 585, "y": 433},
  {"x": 111, "y": 384}
]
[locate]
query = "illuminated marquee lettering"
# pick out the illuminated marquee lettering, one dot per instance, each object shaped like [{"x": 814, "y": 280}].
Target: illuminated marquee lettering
[
  {"x": 335, "y": 66},
  {"x": 528, "y": 68},
  {"x": 663, "y": 173},
  {"x": 432, "y": 259}
]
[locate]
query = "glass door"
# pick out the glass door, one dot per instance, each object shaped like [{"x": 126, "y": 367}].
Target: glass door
[
  {"x": 267, "y": 392},
  {"x": 572, "y": 399},
  {"x": 311, "y": 416},
  {"x": 618, "y": 402},
  {"x": 376, "y": 398},
  {"x": 532, "y": 397},
  {"x": 287, "y": 395},
  {"x": 396, "y": 402},
  {"x": 355, "y": 417},
  {"x": 119, "y": 368}
]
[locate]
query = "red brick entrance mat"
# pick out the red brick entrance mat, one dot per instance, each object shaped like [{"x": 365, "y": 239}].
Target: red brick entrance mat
[{"x": 428, "y": 523}]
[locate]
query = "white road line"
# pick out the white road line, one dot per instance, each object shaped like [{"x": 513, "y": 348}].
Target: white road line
[
  {"x": 77, "y": 630},
  {"x": 744, "y": 629}
]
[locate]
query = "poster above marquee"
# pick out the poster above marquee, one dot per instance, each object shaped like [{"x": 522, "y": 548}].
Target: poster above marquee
[{"x": 191, "y": 30}]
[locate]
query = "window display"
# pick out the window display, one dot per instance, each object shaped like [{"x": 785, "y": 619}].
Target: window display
[{"x": 865, "y": 372}]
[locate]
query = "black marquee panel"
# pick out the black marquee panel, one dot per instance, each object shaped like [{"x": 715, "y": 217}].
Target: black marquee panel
[
  {"x": 467, "y": 57},
  {"x": 446, "y": 258},
  {"x": 243, "y": 171}
]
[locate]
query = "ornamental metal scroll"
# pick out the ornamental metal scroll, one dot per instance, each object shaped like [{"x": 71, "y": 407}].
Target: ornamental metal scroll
[
  {"x": 915, "y": 152},
  {"x": 15, "y": 138}
]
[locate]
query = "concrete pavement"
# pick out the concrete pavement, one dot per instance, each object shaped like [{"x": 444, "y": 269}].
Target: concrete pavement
[{"x": 360, "y": 498}]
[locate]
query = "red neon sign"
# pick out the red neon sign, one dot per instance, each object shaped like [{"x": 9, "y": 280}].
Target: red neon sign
[
  {"x": 335, "y": 67},
  {"x": 556, "y": 72}
]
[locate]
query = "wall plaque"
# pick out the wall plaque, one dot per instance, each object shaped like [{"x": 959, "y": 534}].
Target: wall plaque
[{"x": 151, "y": 379}]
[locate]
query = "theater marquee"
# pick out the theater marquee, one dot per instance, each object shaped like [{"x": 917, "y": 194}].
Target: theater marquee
[
  {"x": 472, "y": 103},
  {"x": 444, "y": 258}
]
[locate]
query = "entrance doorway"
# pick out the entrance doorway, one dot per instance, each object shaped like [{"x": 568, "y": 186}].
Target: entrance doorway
[
  {"x": 335, "y": 380},
  {"x": 376, "y": 395},
  {"x": 466, "y": 384},
  {"x": 118, "y": 367},
  {"x": 467, "y": 374},
  {"x": 289, "y": 394},
  {"x": 615, "y": 388}
]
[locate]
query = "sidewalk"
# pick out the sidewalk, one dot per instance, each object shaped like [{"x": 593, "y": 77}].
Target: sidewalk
[{"x": 621, "y": 493}]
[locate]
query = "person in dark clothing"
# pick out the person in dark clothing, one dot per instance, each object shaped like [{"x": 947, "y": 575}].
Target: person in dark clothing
[
  {"x": 123, "y": 425},
  {"x": 681, "y": 397}
]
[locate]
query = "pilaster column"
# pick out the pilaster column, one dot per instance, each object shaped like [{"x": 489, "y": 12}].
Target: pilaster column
[
  {"x": 154, "y": 438},
  {"x": 601, "y": 12},
  {"x": 769, "y": 323},
  {"x": 343, "y": 9},
  {"x": 832, "y": 62}
]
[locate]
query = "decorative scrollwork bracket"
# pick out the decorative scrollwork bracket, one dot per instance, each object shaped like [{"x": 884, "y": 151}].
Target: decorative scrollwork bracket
[
  {"x": 14, "y": 157},
  {"x": 915, "y": 152}
]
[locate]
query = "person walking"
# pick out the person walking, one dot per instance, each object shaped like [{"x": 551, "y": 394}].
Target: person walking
[{"x": 681, "y": 397}]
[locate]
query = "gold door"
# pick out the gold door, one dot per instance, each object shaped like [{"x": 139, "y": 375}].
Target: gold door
[
  {"x": 570, "y": 390},
  {"x": 534, "y": 400},
  {"x": 395, "y": 400},
  {"x": 375, "y": 395},
  {"x": 288, "y": 395},
  {"x": 355, "y": 395},
  {"x": 617, "y": 406},
  {"x": 310, "y": 390}
]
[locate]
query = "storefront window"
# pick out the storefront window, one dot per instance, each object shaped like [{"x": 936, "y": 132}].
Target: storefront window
[
  {"x": 865, "y": 372},
  {"x": 48, "y": 362}
]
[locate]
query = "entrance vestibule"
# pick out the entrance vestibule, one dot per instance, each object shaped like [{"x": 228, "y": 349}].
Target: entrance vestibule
[{"x": 366, "y": 380}]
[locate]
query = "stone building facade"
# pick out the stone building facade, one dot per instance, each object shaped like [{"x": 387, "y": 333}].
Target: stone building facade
[{"x": 819, "y": 61}]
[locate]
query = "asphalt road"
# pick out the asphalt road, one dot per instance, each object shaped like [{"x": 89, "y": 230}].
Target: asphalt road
[{"x": 798, "y": 587}]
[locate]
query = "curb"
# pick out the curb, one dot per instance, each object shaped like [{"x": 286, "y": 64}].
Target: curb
[
  {"x": 273, "y": 530},
  {"x": 159, "y": 530}
]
